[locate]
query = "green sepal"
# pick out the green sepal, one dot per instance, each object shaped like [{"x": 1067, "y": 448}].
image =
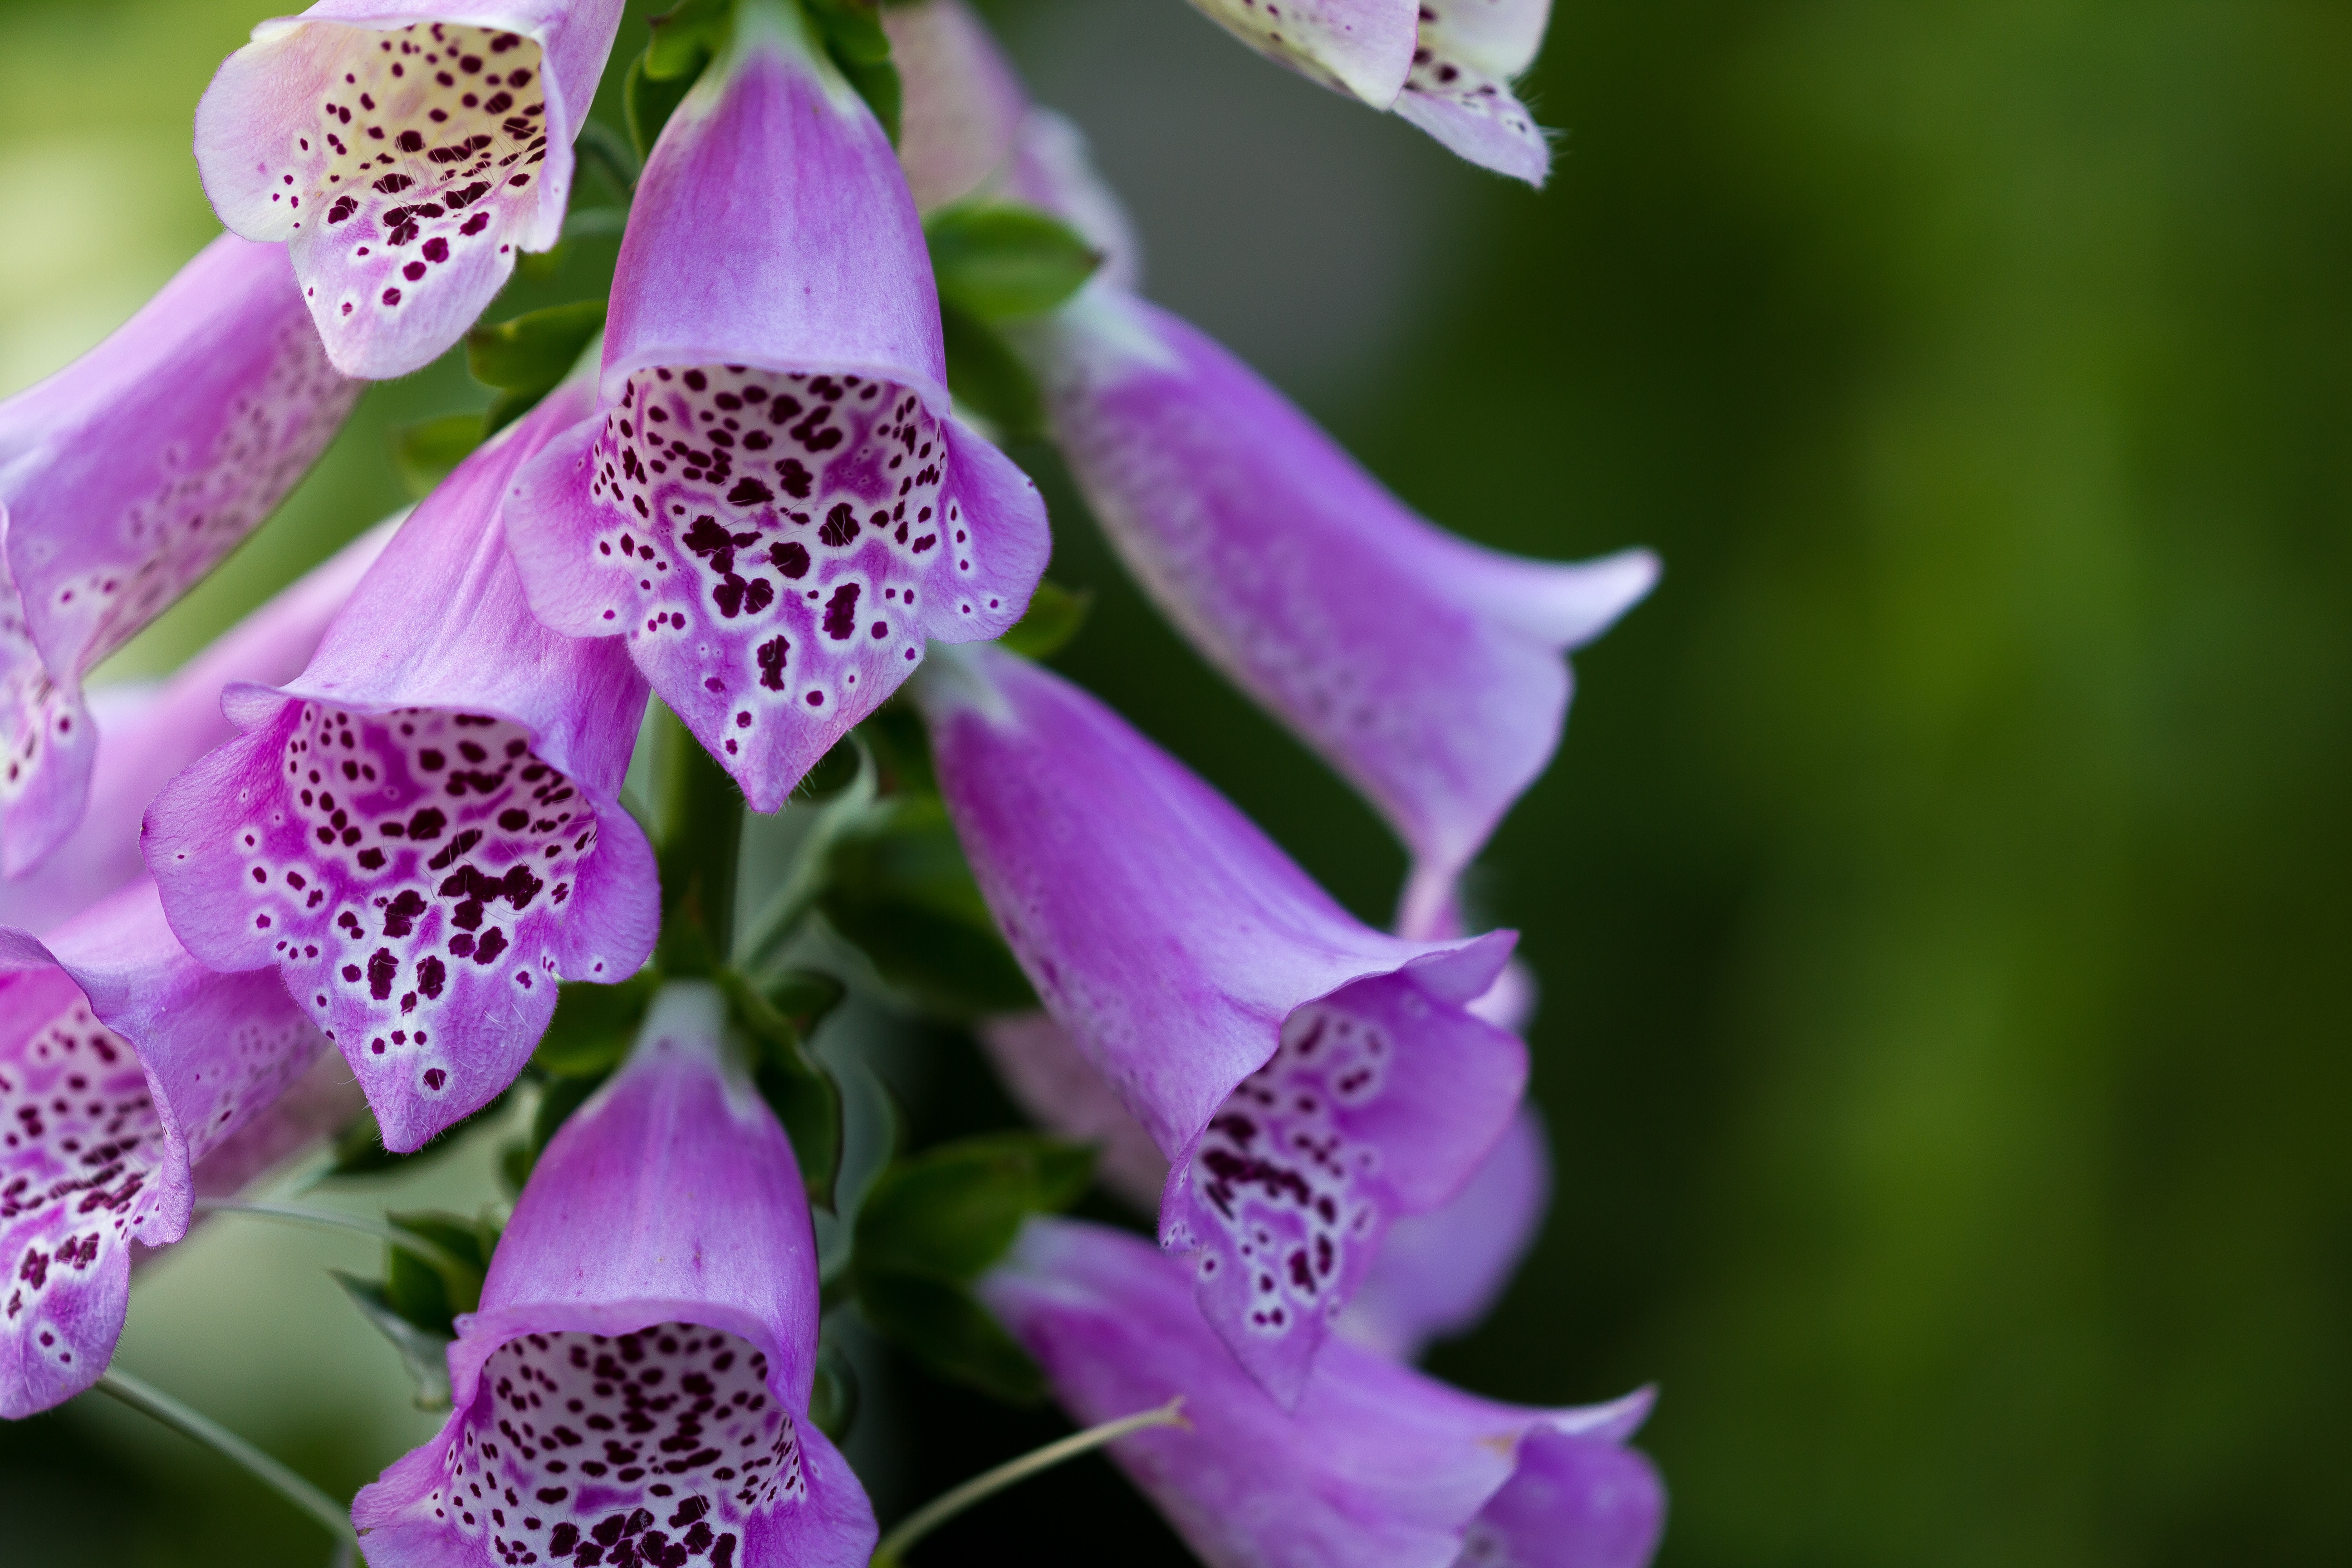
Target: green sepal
[
  {"x": 430, "y": 1291},
  {"x": 647, "y": 101},
  {"x": 425, "y": 452},
  {"x": 528, "y": 357},
  {"x": 987, "y": 378},
  {"x": 796, "y": 1085},
  {"x": 833, "y": 1394},
  {"x": 359, "y": 1148},
  {"x": 593, "y": 1027},
  {"x": 1003, "y": 261},
  {"x": 423, "y": 1353},
  {"x": 945, "y": 1329},
  {"x": 860, "y": 50},
  {"x": 1053, "y": 619},
  {"x": 951, "y": 1211},
  {"x": 686, "y": 37},
  {"x": 897, "y": 887}
]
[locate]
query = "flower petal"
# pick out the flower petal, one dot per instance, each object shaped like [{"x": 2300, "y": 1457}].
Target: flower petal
[
  {"x": 1377, "y": 1465},
  {"x": 1460, "y": 89},
  {"x": 775, "y": 506},
  {"x": 1307, "y": 1078},
  {"x": 147, "y": 734},
  {"x": 403, "y": 158},
  {"x": 122, "y": 1059},
  {"x": 422, "y": 834},
  {"x": 962, "y": 102},
  {"x": 123, "y": 479},
  {"x": 1359, "y": 47},
  {"x": 641, "y": 1364},
  {"x": 1425, "y": 670}
]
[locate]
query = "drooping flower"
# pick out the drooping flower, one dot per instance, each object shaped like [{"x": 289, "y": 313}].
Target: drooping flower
[
  {"x": 1427, "y": 671},
  {"x": 1444, "y": 65},
  {"x": 404, "y": 156},
  {"x": 1379, "y": 1466},
  {"x": 123, "y": 1061},
  {"x": 147, "y": 733},
  {"x": 1309, "y": 1078},
  {"x": 635, "y": 1387},
  {"x": 123, "y": 479},
  {"x": 773, "y": 504},
  {"x": 423, "y": 833}
]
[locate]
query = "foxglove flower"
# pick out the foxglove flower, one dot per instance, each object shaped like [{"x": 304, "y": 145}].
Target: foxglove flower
[
  {"x": 1436, "y": 1273},
  {"x": 1308, "y": 1079},
  {"x": 147, "y": 733},
  {"x": 962, "y": 103},
  {"x": 123, "y": 479},
  {"x": 1378, "y": 1466},
  {"x": 422, "y": 834},
  {"x": 123, "y": 1062},
  {"x": 1443, "y": 65},
  {"x": 772, "y": 504},
  {"x": 403, "y": 156},
  {"x": 635, "y": 1386},
  {"x": 1425, "y": 670}
]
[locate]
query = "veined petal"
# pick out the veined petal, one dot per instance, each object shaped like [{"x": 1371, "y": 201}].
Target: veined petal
[
  {"x": 964, "y": 103},
  {"x": 1051, "y": 170},
  {"x": 403, "y": 156},
  {"x": 1359, "y": 47},
  {"x": 773, "y": 506},
  {"x": 1308, "y": 1079},
  {"x": 122, "y": 1060},
  {"x": 1427, "y": 670},
  {"x": 641, "y": 1364},
  {"x": 1378, "y": 1465},
  {"x": 148, "y": 733},
  {"x": 123, "y": 479},
  {"x": 1460, "y": 89},
  {"x": 1042, "y": 1070},
  {"x": 422, "y": 834}
]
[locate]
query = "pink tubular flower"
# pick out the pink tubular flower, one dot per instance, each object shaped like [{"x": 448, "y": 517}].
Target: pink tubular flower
[
  {"x": 423, "y": 833},
  {"x": 145, "y": 734},
  {"x": 1378, "y": 1467},
  {"x": 635, "y": 1386},
  {"x": 1427, "y": 671},
  {"x": 123, "y": 479},
  {"x": 123, "y": 1062},
  {"x": 773, "y": 504},
  {"x": 1308, "y": 1079},
  {"x": 1444, "y": 65},
  {"x": 963, "y": 104},
  {"x": 404, "y": 156}
]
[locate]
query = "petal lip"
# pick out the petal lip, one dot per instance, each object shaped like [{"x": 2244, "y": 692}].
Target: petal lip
[
  {"x": 1360, "y": 46},
  {"x": 1237, "y": 1012},
  {"x": 1427, "y": 670},
  {"x": 123, "y": 479},
  {"x": 1377, "y": 1463},
  {"x": 672, "y": 1196},
  {"x": 261, "y": 140},
  {"x": 206, "y": 1053}
]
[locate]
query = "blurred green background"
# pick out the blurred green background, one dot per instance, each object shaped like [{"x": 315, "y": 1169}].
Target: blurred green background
[{"x": 1941, "y": 899}]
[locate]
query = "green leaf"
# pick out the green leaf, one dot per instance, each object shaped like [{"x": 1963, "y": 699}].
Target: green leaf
[
  {"x": 360, "y": 1152},
  {"x": 527, "y": 356},
  {"x": 648, "y": 102},
  {"x": 796, "y": 1085},
  {"x": 833, "y": 1396},
  {"x": 593, "y": 1026},
  {"x": 986, "y": 377},
  {"x": 425, "y": 451},
  {"x": 1003, "y": 261},
  {"x": 424, "y": 1355},
  {"x": 1053, "y": 619},
  {"x": 686, "y": 37},
  {"x": 899, "y": 889},
  {"x": 803, "y": 996},
  {"x": 951, "y": 1211},
  {"x": 430, "y": 1292},
  {"x": 945, "y": 1329}
]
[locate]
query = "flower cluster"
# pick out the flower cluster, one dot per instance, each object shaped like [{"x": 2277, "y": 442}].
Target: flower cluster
[{"x": 383, "y": 824}]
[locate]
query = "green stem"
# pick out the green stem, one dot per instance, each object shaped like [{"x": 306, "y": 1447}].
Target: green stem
[
  {"x": 699, "y": 813},
  {"x": 804, "y": 880},
  {"x": 335, "y": 1219},
  {"x": 155, "y": 1403},
  {"x": 939, "y": 1510}
]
